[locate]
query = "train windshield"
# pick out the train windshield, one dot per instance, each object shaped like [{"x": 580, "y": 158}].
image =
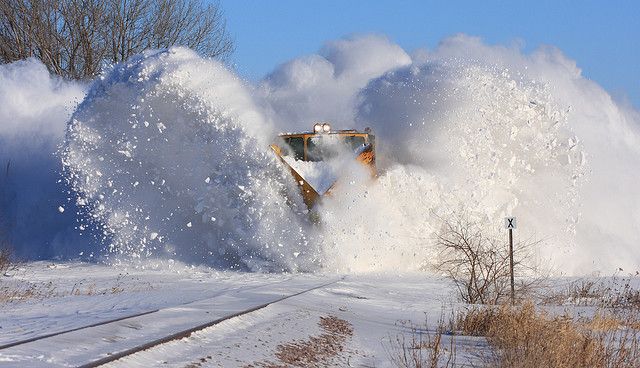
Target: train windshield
[{"x": 325, "y": 147}]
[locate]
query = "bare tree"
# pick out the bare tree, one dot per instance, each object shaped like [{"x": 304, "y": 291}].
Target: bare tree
[
  {"x": 74, "y": 38},
  {"x": 478, "y": 263},
  {"x": 84, "y": 49},
  {"x": 190, "y": 24}
]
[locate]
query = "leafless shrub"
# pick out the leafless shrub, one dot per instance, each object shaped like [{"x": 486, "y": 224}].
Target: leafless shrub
[
  {"x": 74, "y": 38},
  {"x": 625, "y": 297},
  {"x": 422, "y": 348},
  {"x": 6, "y": 263},
  {"x": 5, "y": 259},
  {"x": 478, "y": 263},
  {"x": 615, "y": 293}
]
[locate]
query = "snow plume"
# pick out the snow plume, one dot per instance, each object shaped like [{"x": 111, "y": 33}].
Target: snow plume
[
  {"x": 35, "y": 216},
  {"x": 468, "y": 127},
  {"x": 461, "y": 136},
  {"x": 170, "y": 157},
  {"x": 324, "y": 87},
  {"x": 506, "y": 133}
]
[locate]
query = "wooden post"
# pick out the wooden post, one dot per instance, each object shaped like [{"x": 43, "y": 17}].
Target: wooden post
[{"x": 513, "y": 290}]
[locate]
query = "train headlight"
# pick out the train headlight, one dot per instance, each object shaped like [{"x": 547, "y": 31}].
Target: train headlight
[{"x": 326, "y": 128}]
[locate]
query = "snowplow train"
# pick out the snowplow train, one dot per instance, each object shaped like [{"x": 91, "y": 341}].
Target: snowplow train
[{"x": 306, "y": 156}]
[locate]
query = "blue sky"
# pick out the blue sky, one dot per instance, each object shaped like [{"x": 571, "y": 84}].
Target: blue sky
[{"x": 602, "y": 36}]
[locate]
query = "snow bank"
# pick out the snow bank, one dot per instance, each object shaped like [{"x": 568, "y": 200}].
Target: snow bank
[
  {"x": 169, "y": 155},
  {"x": 34, "y": 109}
]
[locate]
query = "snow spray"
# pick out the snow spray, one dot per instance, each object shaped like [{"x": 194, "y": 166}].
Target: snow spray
[{"x": 169, "y": 156}]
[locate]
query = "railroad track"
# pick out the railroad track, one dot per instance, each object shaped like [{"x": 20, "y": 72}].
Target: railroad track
[
  {"x": 117, "y": 319},
  {"x": 107, "y": 341}
]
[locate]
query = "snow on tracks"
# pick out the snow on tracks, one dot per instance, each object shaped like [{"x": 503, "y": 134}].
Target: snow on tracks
[{"x": 105, "y": 342}]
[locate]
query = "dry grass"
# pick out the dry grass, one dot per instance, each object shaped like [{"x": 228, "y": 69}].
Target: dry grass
[
  {"x": 18, "y": 290},
  {"x": 526, "y": 337},
  {"x": 316, "y": 351},
  {"x": 25, "y": 291},
  {"x": 613, "y": 320},
  {"x": 422, "y": 348}
]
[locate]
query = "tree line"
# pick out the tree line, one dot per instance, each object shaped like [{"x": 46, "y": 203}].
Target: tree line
[{"x": 75, "y": 38}]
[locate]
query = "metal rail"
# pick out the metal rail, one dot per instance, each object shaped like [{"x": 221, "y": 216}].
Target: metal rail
[
  {"x": 188, "y": 332},
  {"x": 57, "y": 333},
  {"x": 16, "y": 343}
]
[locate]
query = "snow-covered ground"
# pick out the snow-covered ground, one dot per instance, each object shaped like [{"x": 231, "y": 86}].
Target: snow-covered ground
[
  {"x": 240, "y": 319},
  {"x": 67, "y": 296}
]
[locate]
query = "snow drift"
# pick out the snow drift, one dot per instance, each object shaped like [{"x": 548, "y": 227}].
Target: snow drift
[{"x": 168, "y": 156}]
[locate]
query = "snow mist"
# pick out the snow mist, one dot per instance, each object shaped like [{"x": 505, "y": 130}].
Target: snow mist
[{"x": 36, "y": 219}]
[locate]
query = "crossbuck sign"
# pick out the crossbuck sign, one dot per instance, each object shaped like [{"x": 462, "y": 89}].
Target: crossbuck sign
[{"x": 510, "y": 223}]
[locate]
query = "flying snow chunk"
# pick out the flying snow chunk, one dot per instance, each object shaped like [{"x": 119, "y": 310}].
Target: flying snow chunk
[{"x": 61, "y": 209}]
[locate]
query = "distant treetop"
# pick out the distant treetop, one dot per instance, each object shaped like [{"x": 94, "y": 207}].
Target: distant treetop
[{"x": 74, "y": 38}]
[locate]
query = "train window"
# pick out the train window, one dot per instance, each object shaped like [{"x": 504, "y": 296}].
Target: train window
[
  {"x": 319, "y": 150},
  {"x": 296, "y": 144}
]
